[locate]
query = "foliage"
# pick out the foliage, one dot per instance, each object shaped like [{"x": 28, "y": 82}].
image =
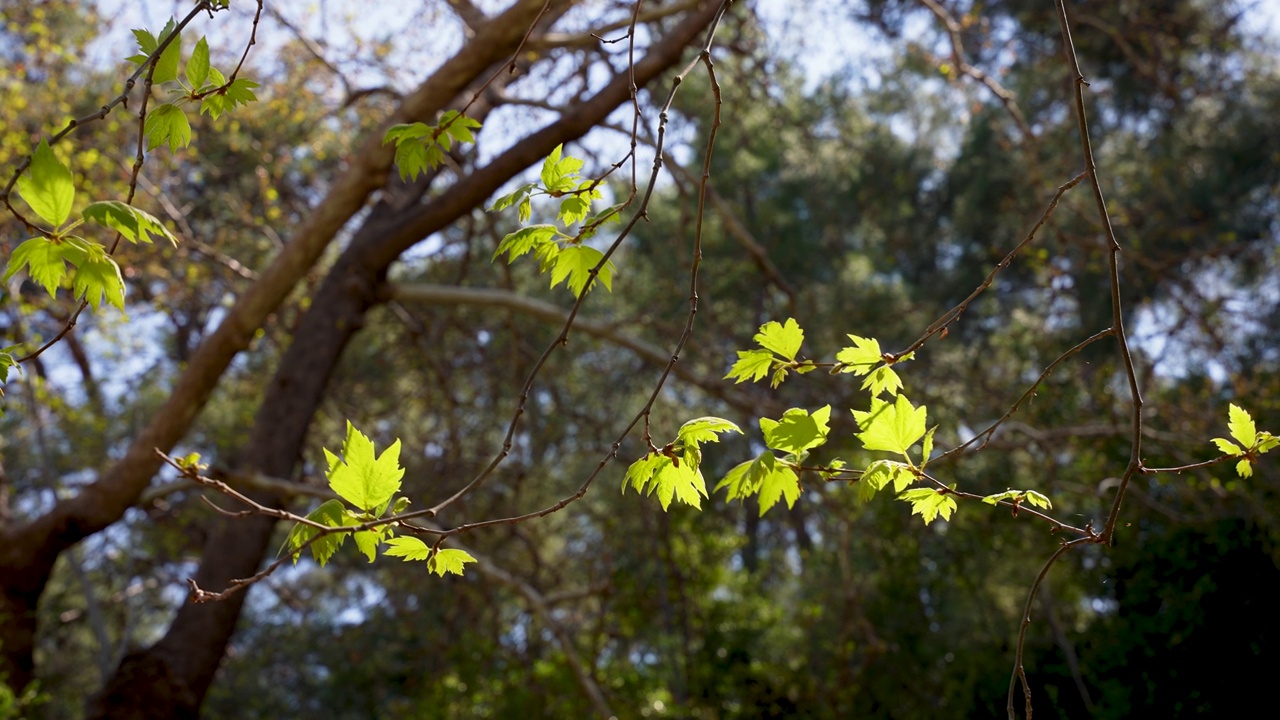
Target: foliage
[
  {"x": 368, "y": 482},
  {"x": 900, "y": 208}
]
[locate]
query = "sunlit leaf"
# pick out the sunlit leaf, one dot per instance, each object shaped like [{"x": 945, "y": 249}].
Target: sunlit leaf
[
  {"x": 752, "y": 365},
  {"x": 359, "y": 477},
  {"x": 47, "y": 186},
  {"x": 798, "y": 430},
  {"x": 862, "y": 357},
  {"x": 783, "y": 339},
  {"x": 449, "y": 561},
  {"x": 1241, "y": 426},
  {"x": 929, "y": 504},
  {"x": 408, "y": 547}
]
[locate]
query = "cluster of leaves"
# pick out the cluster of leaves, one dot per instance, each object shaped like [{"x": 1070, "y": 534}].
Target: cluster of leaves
[
  {"x": 892, "y": 425},
  {"x": 560, "y": 251},
  {"x": 421, "y": 147},
  {"x": 201, "y": 82},
  {"x": 1252, "y": 442},
  {"x": 675, "y": 470},
  {"x": 367, "y": 484},
  {"x": 55, "y": 253}
]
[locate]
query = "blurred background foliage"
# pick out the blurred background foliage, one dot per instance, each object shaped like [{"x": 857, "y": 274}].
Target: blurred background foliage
[{"x": 882, "y": 187}]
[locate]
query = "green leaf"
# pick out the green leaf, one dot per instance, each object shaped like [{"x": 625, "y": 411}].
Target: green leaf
[
  {"x": 411, "y": 131},
  {"x": 236, "y": 93},
  {"x": 167, "y": 125},
  {"x": 134, "y": 224},
  {"x": 1006, "y": 496},
  {"x": 575, "y": 263},
  {"x": 640, "y": 472},
  {"x": 780, "y": 482},
  {"x": 166, "y": 67},
  {"x": 518, "y": 195},
  {"x": 197, "y": 70},
  {"x": 45, "y": 261},
  {"x": 524, "y": 240},
  {"x": 408, "y": 547},
  {"x": 459, "y": 126},
  {"x": 1227, "y": 447},
  {"x": 929, "y": 503},
  {"x": 574, "y": 208},
  {"x": 97, "y": 276},
  {"x": 449, "y": 561},
  {"x": 892, "y": 428},
  {"x": 146, "y": 41},
  {"x": 752, "y": 365},
  {"x": 411, "y": 159},
  {"x": 797, "y": 431},
  {"x": 883, "y": 379},
  {"x": 859, "y": 359},
  {"x": 1241, "y": 426},
  {"x": 705, "y": 429},
  {"x": 782, "y": 339},
  {"x": 560, "y": 174},
  {"x": 367, "y": 542},
  {"x": 1039, "y": 500},
  {"x": 879, "y": 474},
  {"x": 361, "y": 479},
  {"x": 1267, "y": 442},
  {"x": 926, "y": 448},
  {"x": 1244, "y": 468},
  {"x": 330, "y": 514},
  {"x": 657, "y": 473},
  {"x": 47, "y": 186}
]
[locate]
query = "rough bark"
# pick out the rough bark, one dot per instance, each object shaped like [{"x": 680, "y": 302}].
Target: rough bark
[{"x": 171, "y": 678}]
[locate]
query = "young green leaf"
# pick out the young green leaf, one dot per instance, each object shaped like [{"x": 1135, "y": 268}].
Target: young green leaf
[
  {"x": 560, "y": 174},
  {"x": 133, "y": 224},
  {"x": 1226, "y": 447},
  {"x": 783, "y": 339},
  {"x": 146, "y": 42},
  {"x": 657, "y": 473},
  {"x": 411, "y": 159},
  {"x": 361, "y": 479},
  {"x": 97, "y": 276},
  {"x": 518, "y": 195},
  {"x": 859, "y": 359},
  {"x": 330, "y": 514},
  {"x": 892, "y": 428},
  {"x": 780, "y": 482},
  {"x": 1244, "y": 468},
  {"x": 408, "y": 547},
  {"x": 1039, "y": 500},
  {"x": 575, "y": 263},
  {"x": 1241, "y": 426},
  {"x": 926, "y": 447},
  {"x": 798, "y": 430},
  {"x": 167, "y": 125},
  {"x": 402, "y": 133},
  {"x": 449, "y": 561},
  {"x": 524, "y": 240},
  {"x": 166, "y": 67},
  {"x": 47, "y": 186},
  {"x": 197, "y": 70},
  {"x": 881, "y": 380},
  {"x": 752, "y": 365},
  {"x": 45, "y": 261},
  {"x": 238, "y": 92},
  {"x": 929, "y": 503},
  {"x": 705, "y": 429},
  {"x": 367, "y": 542}
]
